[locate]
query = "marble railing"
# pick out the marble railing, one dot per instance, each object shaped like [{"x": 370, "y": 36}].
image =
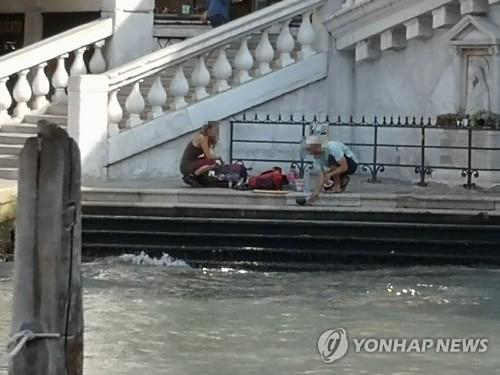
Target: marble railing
[
  {"x": 28, "y": 93},
  {"x": 217, "y": 75}
]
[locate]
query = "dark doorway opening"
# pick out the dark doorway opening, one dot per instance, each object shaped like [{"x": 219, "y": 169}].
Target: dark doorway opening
[
  {"x": 11, "y": 32},
  {"x": 55, "y": 23}
]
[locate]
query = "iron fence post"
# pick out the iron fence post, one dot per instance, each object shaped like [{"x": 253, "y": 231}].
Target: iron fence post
[
  {"x": 469, "y": 159},
  {"x": 375, "y": 151},
  {"x": 469, "y": 172},
  {"x": 231, "y": 136},
  {"x": 422, "y": 170},
  {"x": 302, "y": 168}
]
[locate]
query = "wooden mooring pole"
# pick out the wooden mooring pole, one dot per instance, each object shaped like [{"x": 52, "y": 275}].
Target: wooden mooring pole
[{"x": 47, "y": 322}]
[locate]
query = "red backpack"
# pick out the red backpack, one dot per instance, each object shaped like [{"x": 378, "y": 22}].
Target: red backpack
[{"x": 268, "y": 180}]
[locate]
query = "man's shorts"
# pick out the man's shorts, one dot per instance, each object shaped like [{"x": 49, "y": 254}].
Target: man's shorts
[{"x": 352, "y": 166}]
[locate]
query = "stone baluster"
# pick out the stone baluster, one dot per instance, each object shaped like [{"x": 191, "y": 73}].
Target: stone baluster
[
  {"x": 115, "y": 114},
  {"x": 41, "y": 88},
  {"x": 157, "y": 97},
  {"x": 22, "y": 95},
  {"x": 222, "y": 71},
  {"x": 60, "y": 81},
  {"x": 285, "y": 45},
  {"x": 97, "y": 64},
  {"x": 179, "y": 88},
  {"x": 306, "y": 37},
  {"x": 135, "y": 106},
  {"x": 264, "y": 54},
  {"x": 243, "y": 62},
  {"x": 200, "y": 79},
  {"x": 78, "y": 67},
  {"x": 5, "y": 101}
]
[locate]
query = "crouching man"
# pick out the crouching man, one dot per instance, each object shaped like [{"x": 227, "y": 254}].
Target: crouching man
[{"x": 336, "y": 162}]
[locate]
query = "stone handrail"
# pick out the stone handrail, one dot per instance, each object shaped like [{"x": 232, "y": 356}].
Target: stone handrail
[
  {"x": 55, "y": 46},
  {"x": 37, "y": 56},
  {"x": 196, "y": 46},
  {"x": 219, "y": 77}
]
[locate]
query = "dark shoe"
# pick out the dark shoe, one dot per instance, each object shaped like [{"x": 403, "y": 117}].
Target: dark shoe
[
  {"x": 191, "y": 181},
  {"x": 241, "y": 186},
  {"x": 328, "y": 185},
  {"x": 301, "y": 201}
]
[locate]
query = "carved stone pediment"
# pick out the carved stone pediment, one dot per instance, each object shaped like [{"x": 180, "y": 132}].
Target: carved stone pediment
[{"x": 474, "y": 31}]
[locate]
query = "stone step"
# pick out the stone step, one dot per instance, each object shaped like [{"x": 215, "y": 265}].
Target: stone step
[
  {"x": 14, "y": 138},
  {"x": 6, "y": 149},
  {"x": 56, "y": 119},
  {"x": 9, "y": 173},
  {"x": 8, "y": 161},
  {"x": 20, "y": 128}
]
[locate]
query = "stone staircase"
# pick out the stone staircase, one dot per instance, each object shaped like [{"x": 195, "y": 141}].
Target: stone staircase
[
  {"x": 13, "y": 137},
  {"x": 161, "y": 96}
]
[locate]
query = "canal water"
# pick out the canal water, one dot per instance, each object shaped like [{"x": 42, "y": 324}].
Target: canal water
[{"x": 170, "y": 319}]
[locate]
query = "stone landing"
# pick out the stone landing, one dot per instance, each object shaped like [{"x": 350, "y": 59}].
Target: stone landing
[{"x": 389, "y": 196}]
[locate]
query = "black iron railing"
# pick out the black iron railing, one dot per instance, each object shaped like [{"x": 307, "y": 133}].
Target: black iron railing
[{"x": 372, "y": 165}]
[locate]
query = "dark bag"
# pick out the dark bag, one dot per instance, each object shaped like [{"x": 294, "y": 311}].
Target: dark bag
[
  {"x": 226, "y": 175},
  {"x": 268, "y": 180},
  {"x": 231, "y": 172}
]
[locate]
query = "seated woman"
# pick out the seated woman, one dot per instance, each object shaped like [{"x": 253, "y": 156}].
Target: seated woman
[{"x": 198, "y": 157}]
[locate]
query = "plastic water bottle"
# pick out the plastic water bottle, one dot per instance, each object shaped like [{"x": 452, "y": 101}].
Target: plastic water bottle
[
  {"x": 292, "y": 175},
  {"x": 307, "y": 180}
]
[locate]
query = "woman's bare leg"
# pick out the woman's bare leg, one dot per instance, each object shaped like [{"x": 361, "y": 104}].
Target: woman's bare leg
[
  {"x": 204, "y": 169},
  {"x": 338, "y": 183}
]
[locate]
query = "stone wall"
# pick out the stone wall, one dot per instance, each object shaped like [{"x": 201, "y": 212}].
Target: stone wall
[
  {"x": 163, "y": 161},
  {"x": 415, "y": 81}
]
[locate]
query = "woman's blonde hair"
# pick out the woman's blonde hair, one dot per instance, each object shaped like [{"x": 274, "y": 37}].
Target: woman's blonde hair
[{"x": 211, "y": 130}]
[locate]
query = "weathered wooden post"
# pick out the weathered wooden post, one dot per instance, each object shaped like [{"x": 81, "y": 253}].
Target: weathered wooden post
[{"x": 47, "y": 322}]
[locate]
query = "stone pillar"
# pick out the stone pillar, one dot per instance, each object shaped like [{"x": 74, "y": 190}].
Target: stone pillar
[
  {"x": 33, "y": 26},
  {"x": 340, "y": 82},
  {"x": 495, "y": 85},
  {"x": 133, "y": 30},
  {"x": 88, "y": 122},
  {"x": 459, "y": 76}
]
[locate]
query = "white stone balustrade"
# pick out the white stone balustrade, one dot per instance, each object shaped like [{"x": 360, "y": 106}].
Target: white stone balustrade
[
  {"x": 41, "y": 88},
  {"x": 157, "y": 97},
  {"x": 306, "y": 37},
  {"x": 5, "y": 101},
  {"x": 205, "y": 80},
  {"x": 40, "y": 85},
  {"x": 78, "y": 67},
  {"x": 222, "y": 71},
  {"x": 243, "y": 62},
  {"x": 22, "y": 94},
  {"x": 135, "y": 106},
  {"x": 179, "y": 88},
  {"x": 285, "y": 45},
  {"x": 264, "y": 54},
  {"x": 97, "y": 63},
  {"x": 200, "y": 79},
  {"x": 60, "y": 81},
  {"x": 115, "y": 114}
]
